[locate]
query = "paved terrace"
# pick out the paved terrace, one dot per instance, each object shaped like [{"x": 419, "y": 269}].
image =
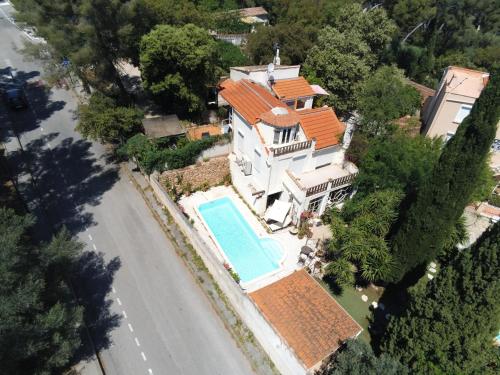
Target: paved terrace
[{"x": 290, "y": 244}]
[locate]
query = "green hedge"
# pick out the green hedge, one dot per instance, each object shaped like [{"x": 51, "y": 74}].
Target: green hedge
[{"x": 150, "y": 156}]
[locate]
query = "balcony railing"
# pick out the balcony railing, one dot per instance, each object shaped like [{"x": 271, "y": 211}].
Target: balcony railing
[
  {"x": 345, "y": 180},
  {"x": 291, "y": 148}
]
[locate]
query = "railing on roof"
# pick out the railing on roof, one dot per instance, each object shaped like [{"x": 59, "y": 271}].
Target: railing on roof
[
  {"x": 291, "y": 148},
  {"x": 344, "y": 180}
]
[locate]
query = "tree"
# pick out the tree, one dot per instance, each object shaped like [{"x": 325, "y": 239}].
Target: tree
[
  {"x": 385, "y": 97},
  {"x": 178, "y": 65},
  {"x": 39, "y": 320},
  {"x": 345, "y": 53},
  {"x": 358, "y": 237},
  {"x": 294, "y": 40},
  {"x": 89, "y": 33},
  {"x": 449, "y": 325},
  {"x": 357, "y": 357},
  {"x": 229, "y": 55},
  {"x": 397, "y": 162},
  {"x": 103, "y": 120},
  {"x": 340, "y": 61},
  {"x": 440, "y": 200}
]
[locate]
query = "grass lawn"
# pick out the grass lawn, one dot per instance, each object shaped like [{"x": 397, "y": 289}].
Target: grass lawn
[{"x": 351, "y": 301}]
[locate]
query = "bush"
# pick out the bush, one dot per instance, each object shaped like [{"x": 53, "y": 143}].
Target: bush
[
  {"x": 494, "y": 200},
  {"x": 150, "y": 156}
]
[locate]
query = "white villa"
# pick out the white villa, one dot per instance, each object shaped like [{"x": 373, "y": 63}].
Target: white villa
[{"x": 287, "y": 157}]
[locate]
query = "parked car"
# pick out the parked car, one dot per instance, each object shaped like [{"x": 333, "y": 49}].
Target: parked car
[
  {"x": 12, "y": 89},
  {"x": 15, "y": 97}
]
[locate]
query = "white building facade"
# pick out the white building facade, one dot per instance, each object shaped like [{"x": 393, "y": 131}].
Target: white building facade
[{"x": 283, "y": 149}]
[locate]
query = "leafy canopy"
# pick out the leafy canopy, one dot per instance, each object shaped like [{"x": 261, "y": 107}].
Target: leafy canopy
[
  {"x": 431, "y": 215},
  {"x": 450, "y": 324},
  {"x": 39, "y": 320},
  {"x": 103, "y": 120},
  {"x": 345, "y": 54},
  {"x": 385, "y": 97},
  {"x": 178, "y": 65},
  {"x": 357, "y": 357}
]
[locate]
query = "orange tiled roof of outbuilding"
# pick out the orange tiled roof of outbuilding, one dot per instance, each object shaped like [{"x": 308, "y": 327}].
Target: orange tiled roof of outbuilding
[
  {"x": 293, "y": 88},
  {"x": 321, "y": 123},
  {"x": 248, "y": 98},
  {"x": 311, "y": 322}
]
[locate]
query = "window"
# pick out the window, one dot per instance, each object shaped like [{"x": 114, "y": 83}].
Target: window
[
  {"x": 314, "y": 204},
  {"x": 205, "y": 135},
  {"x": 290, "y": 103},
  {"x": 256, "y": 160},
  {"x": 285, "y": 135},
  {"x": 241, "y": 140},
  {"x": 463, "y": 112},
  {"x": 301, "y": 103},
  {"x": 338, "y": 196},
  {"x": 276, "y": 139}
]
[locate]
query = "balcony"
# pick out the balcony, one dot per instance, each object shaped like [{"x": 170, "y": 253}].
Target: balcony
[
  {"x": 278, "y": 151},
  {"x": 325, "y": 178}
]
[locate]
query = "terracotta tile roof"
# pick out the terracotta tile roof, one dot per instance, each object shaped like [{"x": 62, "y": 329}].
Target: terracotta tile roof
[
  {"x": 424, "y": 91},
  {"x": 321, "y": 123},
  {"x": 252, "y": 12},
  {"x": 292, "y": 88},
  {"x": 248, "y": 98},
  {"x": 306, "y": 316},
  {"x": 197, "y": 132},
  {"x": 274, "y": 117}
]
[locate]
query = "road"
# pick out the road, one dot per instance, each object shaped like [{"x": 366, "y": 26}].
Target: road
[{"x": 150, "y": 317}]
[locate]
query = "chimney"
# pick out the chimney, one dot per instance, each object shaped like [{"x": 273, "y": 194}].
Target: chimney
[{"x": 277, "y": 60}]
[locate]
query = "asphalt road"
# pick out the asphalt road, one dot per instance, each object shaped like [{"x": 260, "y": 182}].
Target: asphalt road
[{"x": 149, "y": 315}]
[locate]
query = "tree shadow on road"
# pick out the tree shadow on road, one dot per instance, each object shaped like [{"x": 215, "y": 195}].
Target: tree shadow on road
[
  {"x": 68, "y": 178},
  {"x": 92, "y": 282}
]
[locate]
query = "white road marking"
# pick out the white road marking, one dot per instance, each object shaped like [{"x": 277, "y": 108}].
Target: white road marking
[
  {"x": 137, "y": 341},
  {"x": 41, "y": 129},
  {"x": 119, "y": 302},
  {"x": 150, "y": 371},
  {"x": 124, "y": 314},
  {"x": 90, "y": 237},
  {"x": 93, "y": 245},
  {"x": 144, "y": 356},
  {"x": 113, "y": 289},
  {"x": 130, "y": 327}
]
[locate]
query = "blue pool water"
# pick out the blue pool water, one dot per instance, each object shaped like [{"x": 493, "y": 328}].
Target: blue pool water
[{"x": 250, "y": 256}]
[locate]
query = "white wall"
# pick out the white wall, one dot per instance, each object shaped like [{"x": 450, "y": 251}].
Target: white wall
[{"x": 260, "y": 76}]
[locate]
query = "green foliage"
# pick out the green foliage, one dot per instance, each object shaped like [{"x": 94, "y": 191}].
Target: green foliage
[
  {"x": 440, "y": 200},
  {"x": 294, "y": 39},
  {"x": 385, "y": 97},
  {"x": 397, "y": 162},
  {"x": 494, "y": 200},
  {"x": 150, "y": 156},
  {"x": 103, "y": 120},
  {"x": 340, "y": 271},
  {"x": 357, "y": 357},
  {"x": 229, "y": 55},
  {"x": 39, "y": 321},
  {"x": 485, "y": 183},
  {"x": 178, "y": 65},
  {"x": 359, "y": 236},
  {"x": 358, "y": 148},
  {"x": 449, "y": 326},
  {"x": 345, "y": 54}
]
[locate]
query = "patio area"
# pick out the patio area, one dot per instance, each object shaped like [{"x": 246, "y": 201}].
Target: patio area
[{"x": 291, "y": 245}]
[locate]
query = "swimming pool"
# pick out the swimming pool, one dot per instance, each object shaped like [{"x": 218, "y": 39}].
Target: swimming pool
[{"x": 250, "y": 256}]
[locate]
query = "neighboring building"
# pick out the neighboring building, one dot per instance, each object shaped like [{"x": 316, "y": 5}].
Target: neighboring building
[
  {"x": 203, "y": 131},
  {"x": 254, "y": 16},
  {"x": 458, "y": 90},
  {"x": 310, "y": 321},
  {"x": 283, "y": 149},
  {"x": 162, "y": 127}
]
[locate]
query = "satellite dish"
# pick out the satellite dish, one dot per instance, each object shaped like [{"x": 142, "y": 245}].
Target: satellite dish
[{"x": 270, "y": 68}]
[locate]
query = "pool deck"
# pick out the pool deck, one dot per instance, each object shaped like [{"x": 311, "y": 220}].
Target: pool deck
[{"x": 290, "y": 244}]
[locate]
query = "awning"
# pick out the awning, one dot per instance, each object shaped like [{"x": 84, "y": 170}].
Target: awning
[
  {"x": 319, "y": 90},
  {"x": 278, "y": 211}
]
